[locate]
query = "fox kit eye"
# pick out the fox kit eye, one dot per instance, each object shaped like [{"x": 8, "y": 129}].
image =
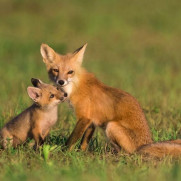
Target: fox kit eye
[
  {"x": 70, "y": 72},
  {"x": 52, "y": 96},
  {"x": 55, "y": 70}
]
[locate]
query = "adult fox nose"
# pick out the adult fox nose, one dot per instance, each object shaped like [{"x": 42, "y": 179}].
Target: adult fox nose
[
  {"x": 61, "y": 82},
  {"x": 65, "y": 94}
]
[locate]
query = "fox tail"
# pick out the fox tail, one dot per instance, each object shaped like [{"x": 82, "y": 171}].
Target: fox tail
[{"x": 162, "y": 149}]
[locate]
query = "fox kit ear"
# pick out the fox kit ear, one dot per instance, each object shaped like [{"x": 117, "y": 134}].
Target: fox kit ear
[
  {"x": 36, "y": 82},
  {"x": 79, "y": 54},
  {"x": 34, "y": 93},
  {"x": 47, "y": 53}
]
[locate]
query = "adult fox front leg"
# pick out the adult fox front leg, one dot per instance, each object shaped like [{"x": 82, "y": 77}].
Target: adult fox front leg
[
  {"x": 78, "y": 132},
  {"x": 87, "y": 136},
  {"x": 114, "y": 110}
]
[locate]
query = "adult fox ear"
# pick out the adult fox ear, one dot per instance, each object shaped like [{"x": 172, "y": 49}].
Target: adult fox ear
[
  {"x": 47, "y": 53},
  {"x": 36, "y": 82},
  {"x": 34, "y": 93},
  {"x": 79, "y": 54}
]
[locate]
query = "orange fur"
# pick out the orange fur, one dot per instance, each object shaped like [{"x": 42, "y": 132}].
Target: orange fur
[
  {"x": 36, "y": 120},
  {"x": 95, "y": 104}
]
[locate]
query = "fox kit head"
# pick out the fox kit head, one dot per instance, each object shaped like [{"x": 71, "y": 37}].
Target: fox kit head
[
  {"x": 62, "y": 69},
  {"x": 45, "y": 95}
]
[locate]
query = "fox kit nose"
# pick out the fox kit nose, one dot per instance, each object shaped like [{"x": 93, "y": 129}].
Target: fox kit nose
[
  {"x": 61, "y": 82},
  {"x": 62, "y": 98},
  {"x": 65, "y": 94}
]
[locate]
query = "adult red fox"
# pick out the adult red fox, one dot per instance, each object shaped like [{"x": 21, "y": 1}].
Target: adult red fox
[
  {"x": 37, "y": 120},
  {"x": 96, "y": 104}
]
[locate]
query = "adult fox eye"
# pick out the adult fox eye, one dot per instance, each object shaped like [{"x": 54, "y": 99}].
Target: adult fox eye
[
  {"x": 70, "y": 72},
  {"x": 55, "y": 70},
  {"x": 52, "y": 96}
]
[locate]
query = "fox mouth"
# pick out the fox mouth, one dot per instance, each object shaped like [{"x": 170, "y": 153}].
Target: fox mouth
[
  {"x": 63, "y": 85},
  {"x": 62, "y": 99}
]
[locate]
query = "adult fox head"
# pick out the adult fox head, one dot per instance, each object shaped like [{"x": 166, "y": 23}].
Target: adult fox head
[
  {"x": 45, "y": 95},
  {"x": 63, "y": 69}
]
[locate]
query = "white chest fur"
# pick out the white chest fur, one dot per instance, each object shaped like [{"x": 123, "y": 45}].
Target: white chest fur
[{"x": 49, "y": 119}]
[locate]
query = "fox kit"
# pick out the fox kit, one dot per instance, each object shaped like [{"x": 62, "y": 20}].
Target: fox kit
[
  {"x": 36, "y": 120},
  {"x": 96, "y": 104}
]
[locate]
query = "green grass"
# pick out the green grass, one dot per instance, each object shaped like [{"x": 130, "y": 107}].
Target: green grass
[{"x": 132, "y": 45}]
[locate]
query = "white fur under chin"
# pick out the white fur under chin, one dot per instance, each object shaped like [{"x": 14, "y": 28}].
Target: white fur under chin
[
  {"x": 70, "y": 84},
  {"x": 68, "y": 88}
]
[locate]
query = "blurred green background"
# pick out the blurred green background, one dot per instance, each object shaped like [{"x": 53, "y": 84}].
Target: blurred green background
[{"x": 133, "y": 45}]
